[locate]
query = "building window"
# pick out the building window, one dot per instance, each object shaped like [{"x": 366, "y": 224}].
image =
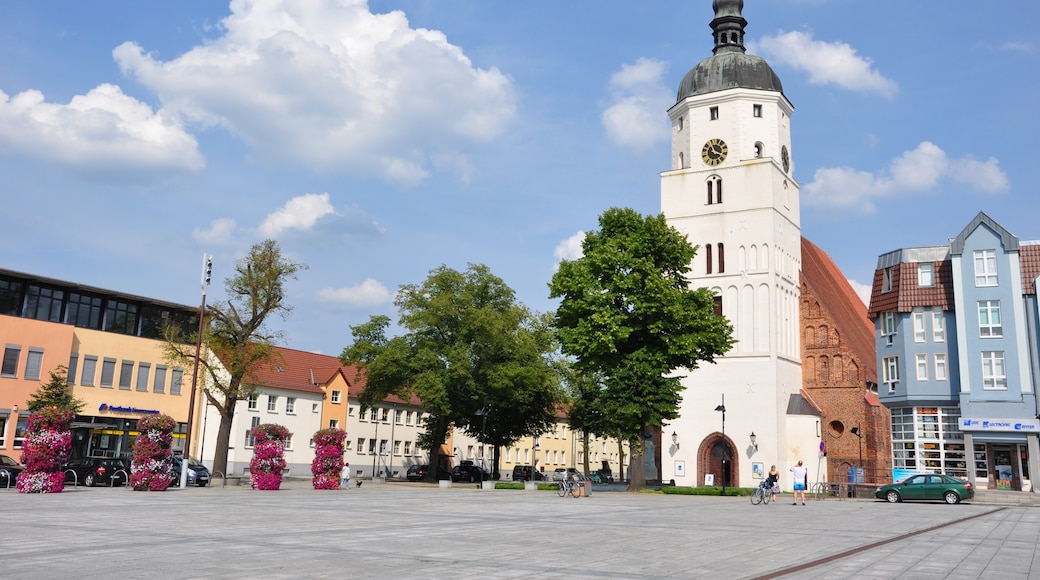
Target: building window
[
  {"x": 272, "y": 403},
  {"x": 925, "y": 274},
  {"x": 126, "y": 374},
  {"x": 288, "y": 442},
  {"x": 70, "y": 374},
  {"x": 253, "y": 424},
  {"x": 994, "y": 376},
  {"x": 707, "y": 258},
  {"x": 176, "y": 379},
  {"x": 714, "y": 113},
  {"x": 10, "y": 365},
  {"x": 315, "y": 408},
  {"x": 407, "y": 448},
  {"x": 108, "y": 372},
  {"x": 886, "y": 281},
  {"x": 334, "y": 424},
  {"x": 940, "y": 366},
  {"x": 361, "y": 446},
  {"x": 363, "y": 414},
  {"x": 86, "y": 377},
  {"x": 890, "y": 372},
  {"x": 714, "y": 190},
  {"x": 680, "y": 123},
  {"x": 722, "y": 258},
  {"x": 938, "y": 325},
  {"x": 19, "y": 432},
  {"x": 83, "y": 311},
  {"x": 43, "y": 304},
  {"x": 3, "y": 432},
  {"x": 10, "y": 299},
  {"x": 397, "y": 447},
  {"x": 756, "y": 110},
  {"x": 253, "y": 402},
  {"x": 888, "y": 324},
  {"x": 985, "y": 267},
  {"x": 386, "y": 415},
  {"x": 143, "y": 371},
  {"x": 398, "y": 414},
  {"x": 159, "y": 384},
  {"x": 919, "y": 329},
  {"x": 335, "y": 397},
  {"x": 290, "y": 405},
  {"x": 408, "y": 418},
  {"x": 121, "y": 317},
  {"x": 922, "y": 366},
  {"x": 989, "y": 319}
]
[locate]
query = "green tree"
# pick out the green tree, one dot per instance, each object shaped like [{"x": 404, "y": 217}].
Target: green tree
[
  {"x": 55, "y": 393},
  {"x": 627, "y": 313},
  {"x": 476, "y": 358},
  {"x": 238, "y": 336}
]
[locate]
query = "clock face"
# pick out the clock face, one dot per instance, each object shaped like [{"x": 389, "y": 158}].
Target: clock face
[
  {"x": 714, "y": 152},
  {"x": 785, "y": 158}
]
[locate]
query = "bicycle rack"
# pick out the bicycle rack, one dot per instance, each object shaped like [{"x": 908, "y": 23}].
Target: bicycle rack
[
  {"x": 126, "y": 476},
  {"x": 7, "y": 476}
]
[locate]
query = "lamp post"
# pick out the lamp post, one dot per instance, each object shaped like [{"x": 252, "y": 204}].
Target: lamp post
[
  {"x": 675, "y": 440},
  {"x": 722, "y": 408},
  {"x": 858, "y": 433},
  {"x": 207, "y": 275},
  {"x": 482, "y": 413}
]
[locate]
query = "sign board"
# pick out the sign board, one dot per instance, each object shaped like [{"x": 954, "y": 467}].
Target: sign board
[
  {"x": 680, "y": 468},
  {"x": 1014, "y": 425},
  {"x": 709, "y": 479}
]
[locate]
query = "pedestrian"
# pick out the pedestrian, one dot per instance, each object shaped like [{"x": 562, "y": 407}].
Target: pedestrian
[
  {"x": 773, "y": 481},
  {"x": 800, "y": 473},
  {"x": 346, "y": 476}
]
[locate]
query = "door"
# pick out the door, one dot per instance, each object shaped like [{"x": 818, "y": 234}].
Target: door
[{"x": 1003, "y": 472}]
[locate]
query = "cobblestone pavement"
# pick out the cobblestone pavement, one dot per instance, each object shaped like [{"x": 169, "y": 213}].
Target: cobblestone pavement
[{"x": 400, "y": 530}]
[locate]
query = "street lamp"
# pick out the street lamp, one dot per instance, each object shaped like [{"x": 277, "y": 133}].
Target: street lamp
[
  {"x": 722, "y": 409},
  {"x": 753, "y": 441},
  {"x": 675, "y": 440},
  {"x": 858, "y": 433},
  {"x": 207, "y": 275}
]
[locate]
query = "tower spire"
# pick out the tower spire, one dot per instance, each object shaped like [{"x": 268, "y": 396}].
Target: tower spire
[{"x": 728, "y": 26}]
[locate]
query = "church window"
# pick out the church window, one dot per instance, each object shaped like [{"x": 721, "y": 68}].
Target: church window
[
  {"x": 707, "y": 255},
  {"x": 756, "y": 110},
  {"x": 680, "y": 123},
  {"x": 722, "y": 259},
  {"x": 682, "y": 162},
  {"x": 714, "y": 112},
  {"x": 711, "y": 197},
  {"x": 758, "y": 149},
  {"x": 714, "y": 187},
  {"x": 718, "y": 305}
]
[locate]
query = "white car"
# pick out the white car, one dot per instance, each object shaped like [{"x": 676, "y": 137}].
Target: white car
[{"x": 563, "y": 473}]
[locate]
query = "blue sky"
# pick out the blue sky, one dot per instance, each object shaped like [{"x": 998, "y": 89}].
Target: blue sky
[{"x": 376, "y": 141}]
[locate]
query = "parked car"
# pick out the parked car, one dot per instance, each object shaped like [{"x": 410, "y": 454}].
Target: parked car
[
  {"x": 466, "y": 471},
  {"x": 527, "y": 473},
  {"x": 91, "y": 471},
  {"x": 563, "y": 473},
  {"x": 925, "y": 486},
  {"x": 9, "y": 470},
  {"x": 198, "y": 474},
  {"x": 417, "y": 472}
]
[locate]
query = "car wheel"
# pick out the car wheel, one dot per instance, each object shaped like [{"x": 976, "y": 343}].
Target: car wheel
[
  {"x": 951, "y": 497},
  {"x": 892, "y": 496},
  {"x": 90, "y": 480}
]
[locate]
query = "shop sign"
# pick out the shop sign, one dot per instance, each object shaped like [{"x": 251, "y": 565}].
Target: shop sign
[
  {"x": 119, "y": 409},
  {"x": 1021, "y": 425}
]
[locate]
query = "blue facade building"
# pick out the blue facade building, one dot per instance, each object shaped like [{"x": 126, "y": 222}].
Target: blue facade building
[{"x": 956, "y": 331}]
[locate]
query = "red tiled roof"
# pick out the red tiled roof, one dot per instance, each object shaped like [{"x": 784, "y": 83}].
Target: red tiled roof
[
  {"x": 872, "y": 399},
  {"x": 1030, "y": 258},
  {"x": 906, "y": 294},
  {"x": 821, "y": 274},
  {"x": 297, "y": 370}
]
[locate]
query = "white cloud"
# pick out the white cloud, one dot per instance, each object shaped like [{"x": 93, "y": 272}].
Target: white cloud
[
  {"x": 366, "y": 294},
  {"x": 569, "y": 249},
  {"x": 220, "y": 233},
  {"x": 299, "y": 213},
  {"x": 861, "y": 290},
  {"x": 828, "y": 63},
  {"x": 328, "y": 85},
  {"x": 918, "y": 171},
  {"x": 100, "y": 132},
  {"x": 633, "y": 118}
]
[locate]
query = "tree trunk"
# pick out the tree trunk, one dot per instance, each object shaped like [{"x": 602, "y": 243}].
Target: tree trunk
[
  {"x": 621, "y": 459},
  {"x": 636, "y": 468},
  {"x": 585, "y": 452},
  {"x": 223, "y": 442}
]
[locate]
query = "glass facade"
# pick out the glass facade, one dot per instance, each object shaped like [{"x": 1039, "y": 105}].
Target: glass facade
[{"x": 928, "y": 439}]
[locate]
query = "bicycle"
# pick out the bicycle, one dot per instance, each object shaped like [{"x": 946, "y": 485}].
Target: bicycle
[
  {"x": 567, "y": 486},
  {"x": 763, "y": 494}
]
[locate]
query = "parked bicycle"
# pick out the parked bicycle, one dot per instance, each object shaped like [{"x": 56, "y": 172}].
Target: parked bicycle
[
  {"x": 569, "y": 486},
  {"x": 763, "y": 493}
]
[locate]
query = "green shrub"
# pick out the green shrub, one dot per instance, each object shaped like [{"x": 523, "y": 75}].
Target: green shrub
[{"x": 706, "y": 490}]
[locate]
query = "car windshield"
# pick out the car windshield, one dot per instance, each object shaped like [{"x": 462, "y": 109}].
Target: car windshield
[{"x": 5, "y": 460}]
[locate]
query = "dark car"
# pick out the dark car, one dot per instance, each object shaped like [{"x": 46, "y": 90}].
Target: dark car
[
  {"x": 9, "y": 470},
  {"x": 527, "y": 473},
  {"x": 417, "y": 472},
  {"x": 469, "y": 472},
  {"x": 927, "y": 486},
  {"x": 91, "y": 471},
  {"x": 198, "y": 474}
]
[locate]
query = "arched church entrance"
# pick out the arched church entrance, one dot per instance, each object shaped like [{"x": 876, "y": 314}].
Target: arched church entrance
[{"x": 716, "y": 455}]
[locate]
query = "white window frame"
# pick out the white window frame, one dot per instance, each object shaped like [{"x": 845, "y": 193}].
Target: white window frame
[
  {"x": 994, "y": 371},
  {"x": 886, "y": 280},
  {"x": 921, "y": 362},
  {"x": 920, "y": 330},
  {"x": 938, "y": 325},
  {"x": 890, "y": 372},
  {"x": 925, "y": 274},
  {"x": 988, "y": 311},
  {"x": 272, "y": 403},
  {"x": 336, "y": 396},
  {"x": 986, "y": 268},
  {"x": 253, "y": 402},
  {"x": 940, "y": 366},
  {"x": 290, "y": 405}
]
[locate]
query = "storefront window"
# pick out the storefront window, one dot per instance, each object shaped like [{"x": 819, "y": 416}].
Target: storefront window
[{"x": 929, "y": 439}]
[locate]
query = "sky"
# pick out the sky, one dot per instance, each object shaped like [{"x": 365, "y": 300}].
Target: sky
[{"x": 376, "y": 141}]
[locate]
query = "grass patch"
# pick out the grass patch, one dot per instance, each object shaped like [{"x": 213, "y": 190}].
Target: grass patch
[{"x": 706, "y": 490}]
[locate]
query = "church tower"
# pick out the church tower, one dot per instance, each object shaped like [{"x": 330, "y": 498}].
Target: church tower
[{"x": 730, "y": 190}]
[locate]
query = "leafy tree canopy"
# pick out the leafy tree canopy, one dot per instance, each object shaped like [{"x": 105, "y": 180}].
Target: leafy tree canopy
[{"x": 55, "y": 393}]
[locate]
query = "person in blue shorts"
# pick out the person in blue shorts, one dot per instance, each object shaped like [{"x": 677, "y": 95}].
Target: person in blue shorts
[{"x": 800, "y": 473}]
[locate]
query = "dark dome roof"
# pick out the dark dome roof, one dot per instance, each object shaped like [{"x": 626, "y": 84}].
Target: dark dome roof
[
  {"x": 730, "y": 67},
  {"x": 729, "y": 70}
]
